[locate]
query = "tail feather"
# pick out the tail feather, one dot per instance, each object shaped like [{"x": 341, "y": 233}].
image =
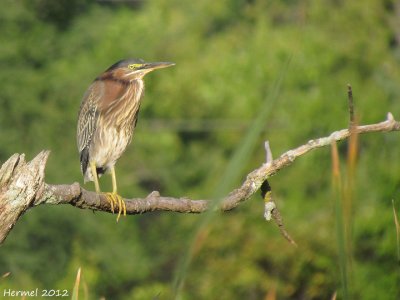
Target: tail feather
[
  {"x": 84, "y": 157},
  {"x": 87, "y": 174}
]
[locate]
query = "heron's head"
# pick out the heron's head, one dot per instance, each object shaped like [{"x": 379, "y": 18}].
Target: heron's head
[{"x": 132, "y": 69}]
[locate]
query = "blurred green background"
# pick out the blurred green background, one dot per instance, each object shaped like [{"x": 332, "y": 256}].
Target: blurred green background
[{"x": 285, "y": 63}]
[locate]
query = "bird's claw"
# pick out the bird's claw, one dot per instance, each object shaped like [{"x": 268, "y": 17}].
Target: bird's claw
[{"x": 116, "y": 200}]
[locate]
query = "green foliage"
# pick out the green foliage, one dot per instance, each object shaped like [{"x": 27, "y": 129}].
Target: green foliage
[{"x": 229, "y": 55}]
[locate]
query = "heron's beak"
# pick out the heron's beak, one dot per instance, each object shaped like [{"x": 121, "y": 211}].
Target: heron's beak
[
  {"x": 148, "y": 67},
  {"x": 145, "y": 68}
]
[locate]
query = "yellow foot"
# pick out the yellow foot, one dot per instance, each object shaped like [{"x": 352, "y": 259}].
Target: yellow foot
[{"x": 116, "y": 200}]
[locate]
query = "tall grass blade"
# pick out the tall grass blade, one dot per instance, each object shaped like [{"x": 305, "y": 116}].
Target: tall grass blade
[
  {"x": 334, "y": 296},
  {"x": 75, "y": 291},
  {"x": 340, "y": 231},
  {"x": 348, "y": 198},
  {"x": 231, "y": 175},
  {"x": 397, "y": 225},
  {"x": 336, "y": 180},
  {"x": 271, "y": 294}
]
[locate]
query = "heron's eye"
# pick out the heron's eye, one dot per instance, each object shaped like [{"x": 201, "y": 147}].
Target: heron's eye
[{"x": 133, "y": 66}]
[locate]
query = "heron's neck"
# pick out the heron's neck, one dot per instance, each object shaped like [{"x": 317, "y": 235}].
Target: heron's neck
[{"x": 138, "y": 86}]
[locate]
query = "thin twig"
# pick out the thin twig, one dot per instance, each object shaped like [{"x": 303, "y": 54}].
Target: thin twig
[
  {"x": 268, "y": 153},
  {"x": 278, "y": 220},
  {"x": 270, "y": 208}
]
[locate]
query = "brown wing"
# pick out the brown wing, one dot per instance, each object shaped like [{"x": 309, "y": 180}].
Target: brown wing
[
  {"x": 88, "y": 115},
  {"x": 87, "y": 121},
  {"x": 101, "y": 97}
]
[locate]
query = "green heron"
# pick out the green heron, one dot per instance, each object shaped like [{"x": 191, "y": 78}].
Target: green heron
[{"x": 107, "y": 118}]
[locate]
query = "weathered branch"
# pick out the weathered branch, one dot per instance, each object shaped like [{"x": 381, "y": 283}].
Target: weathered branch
[{"x": 22, "y": 184}]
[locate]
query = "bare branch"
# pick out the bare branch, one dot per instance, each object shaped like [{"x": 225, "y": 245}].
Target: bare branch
[
  {"x": 77, "y": 196},
  {"x": 22, "y": 184}
]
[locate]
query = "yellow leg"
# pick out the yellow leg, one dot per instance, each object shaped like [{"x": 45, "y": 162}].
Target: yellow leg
[
  {"x": 114, "y": 180},
  {"x": 114, "y": 197},
  {"x": 97, "y": 186},
  {"x": 94, "y": 175}
]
